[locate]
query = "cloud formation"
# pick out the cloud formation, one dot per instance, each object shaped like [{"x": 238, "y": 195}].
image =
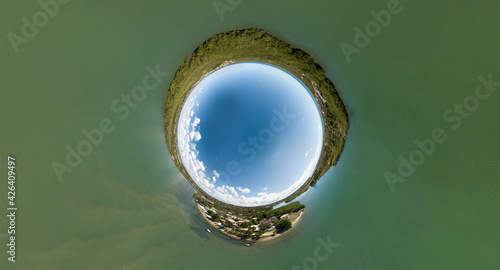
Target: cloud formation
[{"x": 243, "y": 190}]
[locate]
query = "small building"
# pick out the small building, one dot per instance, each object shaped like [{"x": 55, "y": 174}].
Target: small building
[
  {"x": 266, "y": 224},
  {"x": 274, "y": 219}
]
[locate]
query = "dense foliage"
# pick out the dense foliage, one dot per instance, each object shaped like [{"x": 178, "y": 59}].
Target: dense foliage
[
  {"x": 260, "y": 213},
  {"x": 278, "y": 212},
  {"x": 282, "y": 225}
]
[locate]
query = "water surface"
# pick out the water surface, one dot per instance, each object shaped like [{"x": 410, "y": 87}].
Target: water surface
[{"x": 128, "y": 207}]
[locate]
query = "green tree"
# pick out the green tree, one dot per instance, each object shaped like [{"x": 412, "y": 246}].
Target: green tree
[
  {"x": 245, "y": 224},
  {"x": 283, "y": 225}
]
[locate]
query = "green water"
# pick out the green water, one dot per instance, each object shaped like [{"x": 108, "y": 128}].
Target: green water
[{"x": 126, "y": 206}]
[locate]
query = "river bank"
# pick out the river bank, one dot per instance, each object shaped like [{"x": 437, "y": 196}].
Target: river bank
[{"x": 229, "y": 232}]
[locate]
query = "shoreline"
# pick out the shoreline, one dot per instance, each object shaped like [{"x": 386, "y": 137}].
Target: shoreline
[{"x": 249, "y": 240}]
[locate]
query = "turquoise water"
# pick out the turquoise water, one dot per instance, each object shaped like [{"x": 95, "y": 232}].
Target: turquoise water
[
  {"x": 126, "y": 206},
  {"x": 250, "y": 134}
]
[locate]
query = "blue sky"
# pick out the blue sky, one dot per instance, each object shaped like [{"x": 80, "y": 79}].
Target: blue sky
[{"x": 250, "y": 134}]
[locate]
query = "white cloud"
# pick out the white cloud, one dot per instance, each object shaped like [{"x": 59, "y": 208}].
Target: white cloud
[
  {"x": 233, "y": 191},
  {"x": 197, "y": 136},
  {"x": 243, "y": 190},
  {"x": 196, "y": 122},
  {"x": 216, "y": 174},
  {"x": 193, "y": 147}
]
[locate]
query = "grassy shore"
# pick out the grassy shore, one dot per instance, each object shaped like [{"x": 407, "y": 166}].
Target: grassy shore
[{"x": 256, "y": 45}]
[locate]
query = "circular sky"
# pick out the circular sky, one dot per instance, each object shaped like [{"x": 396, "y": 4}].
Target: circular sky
[{"x": 250, "y": 134}]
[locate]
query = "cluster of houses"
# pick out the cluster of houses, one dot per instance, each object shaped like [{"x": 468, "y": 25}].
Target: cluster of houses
[{"x": 236, "y": 220}]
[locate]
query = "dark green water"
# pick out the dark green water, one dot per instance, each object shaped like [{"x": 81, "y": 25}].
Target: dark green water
[{"x": 126, "y": 206}]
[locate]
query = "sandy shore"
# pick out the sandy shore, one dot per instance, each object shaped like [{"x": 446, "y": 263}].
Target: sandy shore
[
  {"x": 217, "y": 227},
  {"x": 265, "y": 237}
]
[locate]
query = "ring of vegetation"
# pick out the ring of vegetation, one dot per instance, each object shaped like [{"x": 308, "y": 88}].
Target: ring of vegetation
[{"x": 256, "y": 45}]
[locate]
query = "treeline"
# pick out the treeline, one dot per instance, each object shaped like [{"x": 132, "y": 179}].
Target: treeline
[
  {"x": 278, "y": 212},
  {"x": 260, "y": 212}
]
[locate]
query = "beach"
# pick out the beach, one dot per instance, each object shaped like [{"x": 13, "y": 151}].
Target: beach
[{"x": 265, "y": 237}]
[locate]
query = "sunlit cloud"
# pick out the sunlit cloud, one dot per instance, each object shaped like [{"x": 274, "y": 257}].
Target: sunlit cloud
[{"x": 243, "y": 190}]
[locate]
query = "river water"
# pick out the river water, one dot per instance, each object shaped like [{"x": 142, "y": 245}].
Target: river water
[{"x": 126, "y": 206}]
